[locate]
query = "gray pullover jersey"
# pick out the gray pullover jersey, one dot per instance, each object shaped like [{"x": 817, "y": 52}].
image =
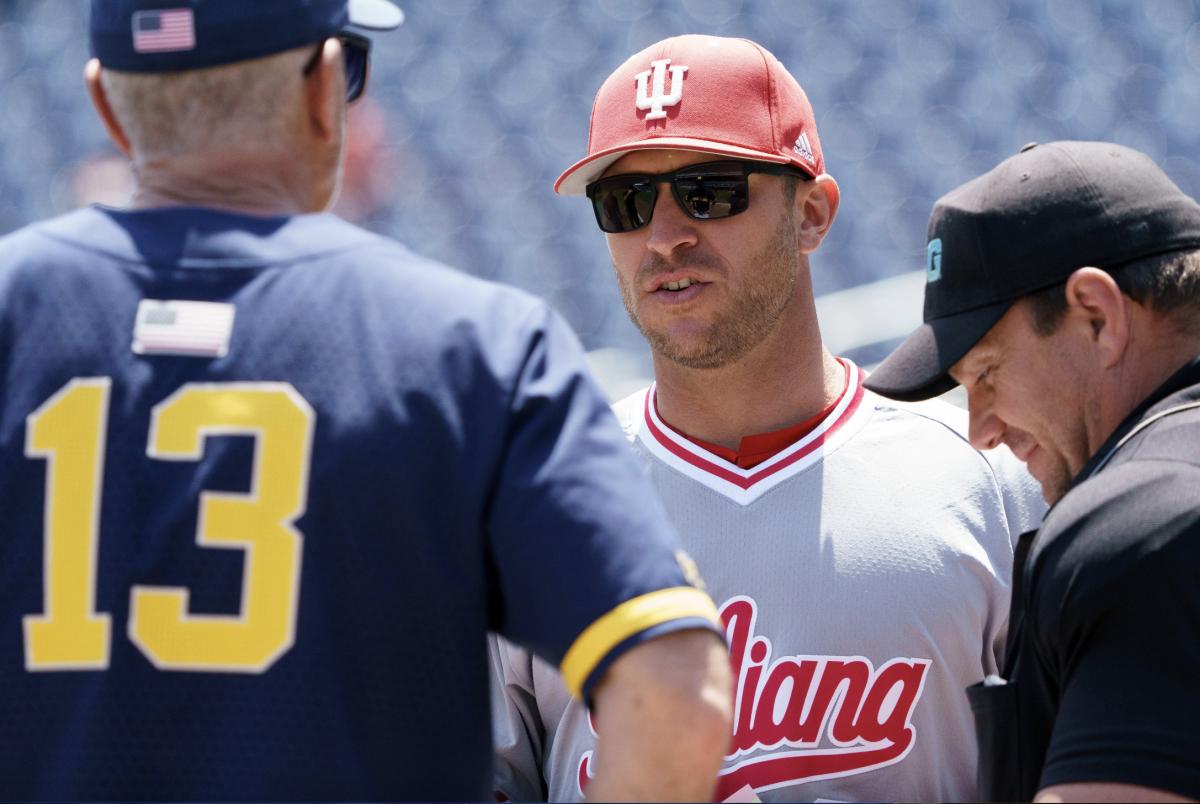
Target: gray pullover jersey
[{"x": 863, "y": 578}]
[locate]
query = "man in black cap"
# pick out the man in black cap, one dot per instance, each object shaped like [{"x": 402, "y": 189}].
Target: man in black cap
[
  {"x": 1063, "y": 293},
  {"x": 267, "y": 480}
]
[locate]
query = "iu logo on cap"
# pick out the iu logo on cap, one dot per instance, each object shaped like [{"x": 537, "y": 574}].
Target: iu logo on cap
[{"x": 657, "y": 99}]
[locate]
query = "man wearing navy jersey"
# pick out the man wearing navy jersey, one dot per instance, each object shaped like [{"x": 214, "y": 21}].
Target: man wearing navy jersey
[{"x": 267, "y": 480}]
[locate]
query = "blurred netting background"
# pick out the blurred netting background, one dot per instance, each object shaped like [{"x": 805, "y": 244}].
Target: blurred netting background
[{"x": 475, "y": 106}]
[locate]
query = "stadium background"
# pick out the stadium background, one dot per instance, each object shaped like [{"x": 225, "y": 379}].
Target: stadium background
[{"x": 475, "y": 106}]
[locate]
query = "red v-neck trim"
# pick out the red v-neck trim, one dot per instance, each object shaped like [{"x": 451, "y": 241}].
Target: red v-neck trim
[
  {"x": 800, "y": 447},
  {"x": 754, "y": 449}
]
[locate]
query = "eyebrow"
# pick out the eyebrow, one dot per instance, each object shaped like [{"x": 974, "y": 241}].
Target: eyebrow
[{"x": 967, "y": 365}]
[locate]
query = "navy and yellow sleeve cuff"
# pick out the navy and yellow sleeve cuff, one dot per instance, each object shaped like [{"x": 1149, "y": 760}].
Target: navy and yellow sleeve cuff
[{"x": 629, "y": 619}]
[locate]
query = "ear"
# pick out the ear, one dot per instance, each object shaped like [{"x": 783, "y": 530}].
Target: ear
[
  {"x": 91, "y": 77},
  {"x": 1097, "y": 306},
  {"x": 325, "y": 91},
  {"x": 817, "y": 204}
]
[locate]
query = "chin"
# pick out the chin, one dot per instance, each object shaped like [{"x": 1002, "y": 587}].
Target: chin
[
  {"x": 686, "y": 352},
  {"x": 698, "y": 361},
  {"x": 684, "y": 355},
  {"x": 1053, "y": 489}
]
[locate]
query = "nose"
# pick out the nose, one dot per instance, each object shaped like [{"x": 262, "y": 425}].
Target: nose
[
  {"x": 986, "y": 429},
  {"x": 669, "y": 228}
]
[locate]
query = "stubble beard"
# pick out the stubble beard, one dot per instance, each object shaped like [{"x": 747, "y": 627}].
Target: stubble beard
[
  {"x": 1055, "y": 483},
  {"x": 750, "y": 318},
  {"x": 1056, "y": 480}
]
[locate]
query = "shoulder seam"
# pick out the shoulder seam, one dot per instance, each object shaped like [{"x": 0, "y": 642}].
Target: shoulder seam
[
  {"x": 990, "y": 467},
  {"x": 369, "y": 240}
]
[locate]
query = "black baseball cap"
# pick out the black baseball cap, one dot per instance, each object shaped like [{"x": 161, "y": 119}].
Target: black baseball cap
[
  {"x": 151, "y": 36},
  {"x": 1026, "y": 225}
]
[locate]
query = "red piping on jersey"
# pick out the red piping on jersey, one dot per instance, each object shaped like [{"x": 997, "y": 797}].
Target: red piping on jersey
[
  {"x": 762, "y": 447},
  {"x": 736, "y": 479}
]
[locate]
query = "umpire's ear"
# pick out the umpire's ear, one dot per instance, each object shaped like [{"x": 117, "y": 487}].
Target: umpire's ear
[
  {"x": 325, "y": 88},
  {"x": 91, "y": 77}
]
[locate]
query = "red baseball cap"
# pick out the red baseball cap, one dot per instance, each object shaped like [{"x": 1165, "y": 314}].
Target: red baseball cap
[{"x": 699, "y": 93}]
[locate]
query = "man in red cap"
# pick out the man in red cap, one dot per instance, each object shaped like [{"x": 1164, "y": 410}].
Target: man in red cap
[{"x": 860, "y": 550}]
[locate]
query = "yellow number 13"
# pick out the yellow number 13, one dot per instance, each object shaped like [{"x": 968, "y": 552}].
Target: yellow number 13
[{"x": 68, "y": 431}]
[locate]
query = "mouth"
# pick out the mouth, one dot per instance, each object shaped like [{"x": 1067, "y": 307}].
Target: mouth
[
  {"x": 1026, "y": 456},
  {"x": 1021, "y": 444},
  {"x": 675, "y": 282},
  {"x": 674, "y": 286},
  {"x": 676, "y": 290}
]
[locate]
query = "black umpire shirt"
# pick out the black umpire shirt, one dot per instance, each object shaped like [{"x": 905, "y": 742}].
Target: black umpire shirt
[{"x": 1102, "y": 679}]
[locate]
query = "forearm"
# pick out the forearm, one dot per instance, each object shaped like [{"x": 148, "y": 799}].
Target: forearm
[
  {"x": 1105, "y": 791},
  {"x": 663, "y": 720}
]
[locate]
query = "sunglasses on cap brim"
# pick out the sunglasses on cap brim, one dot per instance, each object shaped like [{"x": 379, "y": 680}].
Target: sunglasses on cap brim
[
  {"x": 708, "y": 191},
  {"x": 356, "y": 51}
]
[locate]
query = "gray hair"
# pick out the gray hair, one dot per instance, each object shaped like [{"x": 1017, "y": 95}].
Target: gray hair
[{"x": 245, "y": 106}]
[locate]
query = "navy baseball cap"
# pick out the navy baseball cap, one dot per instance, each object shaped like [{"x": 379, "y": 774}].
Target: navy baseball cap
[
  {"x": 154, "y": 36},
  {"x": 1026, "y": 225}
]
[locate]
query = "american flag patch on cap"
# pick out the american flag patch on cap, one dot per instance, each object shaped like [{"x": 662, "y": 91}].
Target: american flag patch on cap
[
  {"x": 187, "y": 328},
  {"x": 168, "y": 30}
]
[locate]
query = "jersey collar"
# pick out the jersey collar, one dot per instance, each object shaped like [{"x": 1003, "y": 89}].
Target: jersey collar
[{"x": 746, "y": 485}]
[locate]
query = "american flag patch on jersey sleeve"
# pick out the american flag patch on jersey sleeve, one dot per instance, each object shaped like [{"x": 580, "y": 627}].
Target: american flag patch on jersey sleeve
[
  {"x": 185, "y": 328},
  {"x": 170, "y": 30}
]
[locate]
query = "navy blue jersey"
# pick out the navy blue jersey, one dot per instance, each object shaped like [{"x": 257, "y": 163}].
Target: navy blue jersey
[{"x": 265, "y": 483}]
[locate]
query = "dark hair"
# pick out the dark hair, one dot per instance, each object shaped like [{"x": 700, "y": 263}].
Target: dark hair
[{"x": 1164, "y": 282}]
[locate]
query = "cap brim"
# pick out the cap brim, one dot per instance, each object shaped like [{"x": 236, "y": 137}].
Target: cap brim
[
  {"x": 918, "y": 368},
  {"x": 375, "y": 15},
  {"x": 577, "y": 177}
]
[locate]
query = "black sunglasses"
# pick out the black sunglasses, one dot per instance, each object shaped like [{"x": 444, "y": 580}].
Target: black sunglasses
[
  {"x": 356, "y": 50},
  {"x": 710, "y": 190}
]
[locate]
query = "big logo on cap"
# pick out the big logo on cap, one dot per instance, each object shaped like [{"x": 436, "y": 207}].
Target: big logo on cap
[
  {"x": 933, "y": 260},
  {"x": 657, "y": 100}
]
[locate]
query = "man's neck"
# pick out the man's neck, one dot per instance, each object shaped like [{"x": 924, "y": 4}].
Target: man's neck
[
  {"x": 787, "y": 378},
  {"x": 1157, "y": 351},
  {"x": 237, "y": 184}
]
